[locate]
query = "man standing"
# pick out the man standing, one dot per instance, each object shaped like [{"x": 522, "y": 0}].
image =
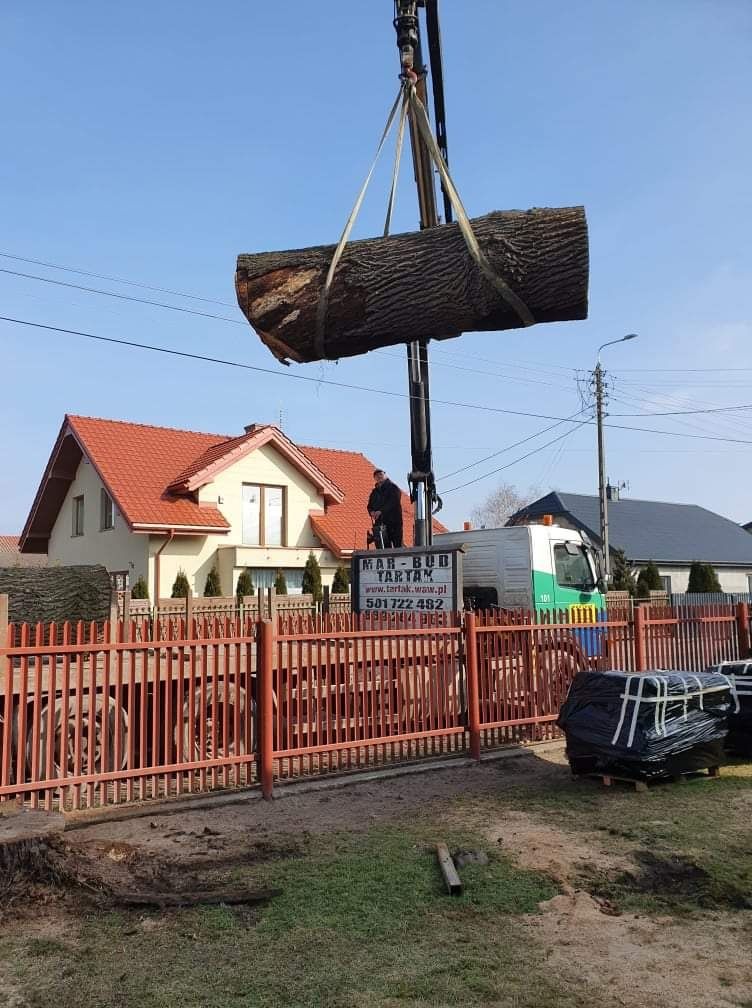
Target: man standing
[{"x": 385, "y": 507}]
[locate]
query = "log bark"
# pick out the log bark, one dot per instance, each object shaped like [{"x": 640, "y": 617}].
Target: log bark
[
  {"x": 44, "y": 594},
  {"x": 420, "y": 285}
]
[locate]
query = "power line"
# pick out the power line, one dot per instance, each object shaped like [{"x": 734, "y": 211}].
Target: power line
[
  {"x": 224, "y": 318},
  {"x": 515, "y": 461},
  {"x": 486, "y": 372},
  {"x": 357, "y": 388},
  {"x": 120, "y": 280},
  {"x": 694, "y": 412},
  {"x": 511, "y": 446},
  {"x": 120, "y": 297}
]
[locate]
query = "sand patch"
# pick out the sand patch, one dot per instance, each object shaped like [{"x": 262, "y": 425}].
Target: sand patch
[{"x": 642, "y": 961}]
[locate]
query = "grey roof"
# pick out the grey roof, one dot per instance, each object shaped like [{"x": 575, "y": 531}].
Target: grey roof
[{"x": 652, "y": 530}]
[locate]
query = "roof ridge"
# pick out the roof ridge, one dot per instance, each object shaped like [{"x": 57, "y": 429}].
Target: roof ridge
[
  {"x": 628, "y": 500},
  {"x": 340, "y": 451},
  {"x": 221, "y": 437},
  {"x": 135, "y": 423}
]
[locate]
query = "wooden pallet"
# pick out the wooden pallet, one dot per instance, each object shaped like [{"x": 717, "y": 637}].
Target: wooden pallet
[{"x": 608, "y": 780}]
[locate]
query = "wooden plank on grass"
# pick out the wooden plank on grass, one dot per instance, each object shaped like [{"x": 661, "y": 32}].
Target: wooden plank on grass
[{"x": 448, "y": 870}]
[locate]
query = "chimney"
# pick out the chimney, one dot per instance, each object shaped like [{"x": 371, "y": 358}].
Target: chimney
[
  {"x": 250, "y": 428},
  {"x": 612, "y": 492},
  {"x": 467, "y": 526}
]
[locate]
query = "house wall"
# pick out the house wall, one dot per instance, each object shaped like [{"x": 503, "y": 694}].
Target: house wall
[
  {"x": 731, "y": 579},
  {"x": 197, "y": 554},
  {"x": 117, "y": 549}
]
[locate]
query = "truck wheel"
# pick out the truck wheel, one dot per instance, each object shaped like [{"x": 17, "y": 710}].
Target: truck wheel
[
  {"x": 558, "y": 662},
  {"x": 62, "y": 722},
  {"x": 221, "y": 702}
]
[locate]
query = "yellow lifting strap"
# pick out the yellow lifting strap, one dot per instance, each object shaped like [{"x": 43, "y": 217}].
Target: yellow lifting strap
[{"x": 409, "y": 100}]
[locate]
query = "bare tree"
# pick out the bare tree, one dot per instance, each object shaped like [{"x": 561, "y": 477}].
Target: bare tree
[{"x": 500, "y": 505}]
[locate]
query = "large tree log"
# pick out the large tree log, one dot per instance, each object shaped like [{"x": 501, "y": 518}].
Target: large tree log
[
  {"x": 46, "y": 594},
  {"x": 421, "y": 285}
]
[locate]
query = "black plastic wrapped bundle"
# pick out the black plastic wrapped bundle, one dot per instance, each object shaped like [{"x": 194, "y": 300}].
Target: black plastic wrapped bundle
[
  {"x": 739, "y": 739},
  {"x": 646, "y": 725}
]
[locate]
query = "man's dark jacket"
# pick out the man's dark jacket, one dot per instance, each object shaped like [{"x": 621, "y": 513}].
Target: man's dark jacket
[{"x": 387, "y": 498}]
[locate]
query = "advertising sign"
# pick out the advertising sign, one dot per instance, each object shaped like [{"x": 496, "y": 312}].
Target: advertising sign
[{"x": 427, "y": 579}]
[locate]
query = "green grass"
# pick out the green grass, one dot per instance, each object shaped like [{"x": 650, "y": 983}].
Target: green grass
[{"x": 362, "y": 921}]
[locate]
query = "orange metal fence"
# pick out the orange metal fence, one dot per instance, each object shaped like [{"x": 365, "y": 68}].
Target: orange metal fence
[
  {"x": 126, "y": 711},
  {"x": 94, "y": 718},
  {"x": 355, "y": 691}
]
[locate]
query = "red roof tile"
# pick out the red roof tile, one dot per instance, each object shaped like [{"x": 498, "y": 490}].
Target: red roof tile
[
  {"x": 138, "y": 462},
  {"x": 142, "y": 466},
  {"x": 345, "y": 526}
]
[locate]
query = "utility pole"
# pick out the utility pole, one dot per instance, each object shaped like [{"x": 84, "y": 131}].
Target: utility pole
[
  {"x": 602, "y": 489},
  {"x": 421, "y": 477},
  {"x": 602, "y": 473}
]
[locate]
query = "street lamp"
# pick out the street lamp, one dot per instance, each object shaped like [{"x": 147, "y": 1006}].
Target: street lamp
[{"x": 602, "y": 454}]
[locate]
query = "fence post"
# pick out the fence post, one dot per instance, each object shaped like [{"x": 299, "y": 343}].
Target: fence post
[
  {"x": 261, "y": 606},
  {"x": 742, "y": 628},
  {"x": 473, "y": 696},
  {"x": 272, "y": 604},
  {"x": 188, "y": 613},
  {"x": 640, "y": 649},
  {"x": 126, "y": 617},
  {"x": 4, "y": 621},
  {"x": 326, "y": 602},
  {"x": 265, "y": 673}
]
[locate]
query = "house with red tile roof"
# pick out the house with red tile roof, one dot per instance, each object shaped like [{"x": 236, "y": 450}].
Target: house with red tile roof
[{"x": 149, "y": 501}]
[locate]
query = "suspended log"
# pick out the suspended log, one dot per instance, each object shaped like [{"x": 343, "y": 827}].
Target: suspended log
[{"x": 420, "y": 285}]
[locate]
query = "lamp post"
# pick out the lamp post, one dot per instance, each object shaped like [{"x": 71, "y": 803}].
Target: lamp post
[{"x": 599, "y": 396}]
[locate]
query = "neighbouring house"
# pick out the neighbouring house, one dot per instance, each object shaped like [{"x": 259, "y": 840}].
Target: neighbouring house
[
  {"x": 11, "y": 556},
  {"x": 673, "y": 535},
  {"x": 149, "y": 501}
]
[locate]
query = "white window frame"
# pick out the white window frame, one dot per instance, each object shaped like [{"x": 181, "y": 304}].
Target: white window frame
[{"x": 263, "y": 533}]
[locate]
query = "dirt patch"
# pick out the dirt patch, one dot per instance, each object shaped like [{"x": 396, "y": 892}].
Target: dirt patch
[
  {"x": 674, "y": 880},
  {"x": 642, "y": 961},
  {"x": 355, "y": 807},
  {"x": 566, "y": 857}
]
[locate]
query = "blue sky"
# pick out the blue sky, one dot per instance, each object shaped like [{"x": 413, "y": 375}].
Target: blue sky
[{"x": 154, "y": 142}]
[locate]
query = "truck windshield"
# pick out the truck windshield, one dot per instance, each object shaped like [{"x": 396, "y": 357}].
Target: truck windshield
[{"x": 573, "y": 569}]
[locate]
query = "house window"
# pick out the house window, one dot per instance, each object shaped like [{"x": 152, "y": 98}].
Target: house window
[
  {"x": 263, "y": 515},
  {"x": 572, "y": 567},
  {"x": 107, "y": 512},
  {"x": 264, "y": 577},
  {"x": 120, "y": 580},
  {"x": 749, "y": 584},
  {"x": 78, "y": 516},
  {"x": 666, "y": 579}
]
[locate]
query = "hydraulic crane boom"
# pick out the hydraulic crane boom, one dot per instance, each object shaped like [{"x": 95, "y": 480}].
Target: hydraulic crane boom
[{"x": 407, "y": 26}]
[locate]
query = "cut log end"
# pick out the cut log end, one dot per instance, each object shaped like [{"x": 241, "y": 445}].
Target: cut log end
[{"x": 418, "y": 286}]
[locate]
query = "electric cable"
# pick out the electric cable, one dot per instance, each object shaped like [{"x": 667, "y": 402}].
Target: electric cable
[{"x": 358, "y": 388}]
